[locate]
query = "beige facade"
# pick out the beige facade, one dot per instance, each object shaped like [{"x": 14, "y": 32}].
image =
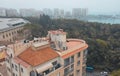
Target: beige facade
[
  {"x": 51, "y": 56},
  {"x": 10, "y": 35},
  {"x": 10, "y": 28}
]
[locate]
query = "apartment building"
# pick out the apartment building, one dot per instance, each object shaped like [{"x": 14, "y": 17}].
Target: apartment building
[
  {"x": 79, "y": 12},
  {"x": 48, "y": 12},
  {"x": 54, "y": 55},
  {"x": 12, "y": 13},
  {"x": 2, "y": 12},
  {"x": 10, "y": 28},
  {"x": 30, "y": 13}
]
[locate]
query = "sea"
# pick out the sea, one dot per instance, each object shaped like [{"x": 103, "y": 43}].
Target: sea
[{"x": 110, "y": 21}]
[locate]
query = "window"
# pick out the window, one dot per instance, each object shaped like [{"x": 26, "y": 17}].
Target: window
[
  {"x": 8, "y": 69},
  {"x": 21, "y": 69},
  {"x": 12, "y": 33},
  {"x": 10, "y": 40},
  {"x": 78, "y": 55},
  {"x": 32, "y": 73},
  {"x": 47, "y": 71},
  {"x": 72, "y": 67},
  {"x": 16, "y": 67},
  {"x": 6, "y": 35},
  {"x": 12, "y": 65},
  {"x": 66, "y": 71},
  {"x": 84, "y": 71},
  {"x": 78, "y": 63},
  {"x": 54, "y": 63},
  {"x": 18, "y": 31},
  {"x": 72, "y": 59},
  {"x": 85, "y": 52},
  {"x": 9, "y": 34},
  {"x": 66, "y": 61},
  {"x": 11, "y": 55},
  {"x": 13, "y": 74},
  {"x": 7, "y": 60},
  {"x": 3, "y": 36}
]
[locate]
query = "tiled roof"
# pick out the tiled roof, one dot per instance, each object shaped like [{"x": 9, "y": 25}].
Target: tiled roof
[
  {"x": 19, "y": 61},
  {"x": 37, "y": 57},
  {"x": 2, "y": 55}
]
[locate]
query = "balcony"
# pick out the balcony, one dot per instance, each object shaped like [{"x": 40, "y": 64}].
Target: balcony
[
  {"x": 68, "y": 70},
  {"x": 48, "y": 71},
  {"x": 68, "y": 61},
  {"x": 57, "y": 66},
  {"x": 66, "y": 64}
]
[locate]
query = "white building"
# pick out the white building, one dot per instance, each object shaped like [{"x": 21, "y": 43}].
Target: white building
[
  {"x": 84, "y": 12},
  {"x": 61, "y": 13},
  {"x": 12, "y": 13},
  {"x": 68, "y": 15},
  {"x": 79, "y": 12},
  {"x": 48, "y": 12},
  {"x": 2, "y": 12},
  {"x": 56, "y": 13},
  {"x": 30, "y": 13},
  {"x": 76, "y": 12},
  {"x": 10, "y": 27}
]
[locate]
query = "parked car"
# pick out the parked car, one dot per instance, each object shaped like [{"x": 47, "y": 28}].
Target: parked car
[
  {"x": 89, "y": 69},
  {"x": 104, "y": 73}
]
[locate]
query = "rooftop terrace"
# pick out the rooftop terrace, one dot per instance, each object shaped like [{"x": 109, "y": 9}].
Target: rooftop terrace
[{"x": 73, "y": 46}]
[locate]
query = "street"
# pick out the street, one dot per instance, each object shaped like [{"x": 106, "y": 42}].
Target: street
[{"x": 94, "y": 74}]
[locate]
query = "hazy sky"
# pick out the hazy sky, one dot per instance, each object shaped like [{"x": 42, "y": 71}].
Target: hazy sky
[{"x": 94, "y": 6}]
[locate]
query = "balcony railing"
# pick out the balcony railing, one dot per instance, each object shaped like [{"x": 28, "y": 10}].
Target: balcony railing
[
  {"x": 67, "y": 72},
  {"x": 45, "y": 73},
  {"x": 57, "y": 66},
  {"x": 66, "y": 64}
]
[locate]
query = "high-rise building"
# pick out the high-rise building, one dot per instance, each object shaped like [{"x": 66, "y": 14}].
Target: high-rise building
[
  {"x": 12, "y": 13},
  {"x": 84, "y": 12},
  {"x": 76, "y": 12},
  {"x": 29, "y": 13},
  {"x": 79, "y": 12},
  {"x": 68, "y": 15},
  {"x": 48, "y": 12},
  {"x": 61, "y": 13},
  {"x": 2, "y": 12},
  {"x": 53, "y": 55},
  {"x": 56, "y": 13}
]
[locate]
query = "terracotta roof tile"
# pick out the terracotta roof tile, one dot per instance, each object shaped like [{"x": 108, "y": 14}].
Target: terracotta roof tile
[
  {"x": 2, "y": 55},
  {"x": 19, "y": 61},
  {"x": 37, "y": 57}
]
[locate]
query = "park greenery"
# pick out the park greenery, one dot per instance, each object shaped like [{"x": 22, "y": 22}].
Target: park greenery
[
  {"x": 115, "y": 73},
  {"x": 103, "y": 39}
]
